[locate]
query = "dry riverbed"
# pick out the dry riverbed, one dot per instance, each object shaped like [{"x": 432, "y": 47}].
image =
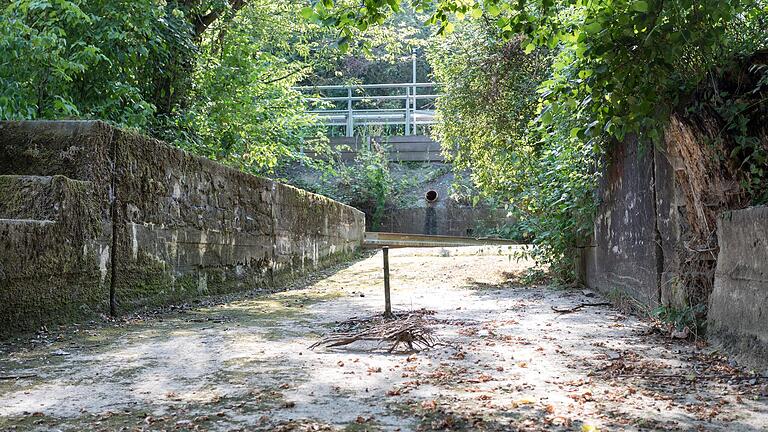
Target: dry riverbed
[{"x": 506, "y": 361}]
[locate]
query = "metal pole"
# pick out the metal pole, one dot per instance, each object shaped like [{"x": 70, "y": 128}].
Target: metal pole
[
  {"x": 350, "y": 120},
  {"x": 387, "y": 301},
  {"x": 413, "y": 58},
  {"x": 407, "y": 111}
]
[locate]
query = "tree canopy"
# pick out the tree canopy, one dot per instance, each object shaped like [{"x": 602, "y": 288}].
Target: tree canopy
[
  {"x": 535, "y": 91},
  {"x": 211, "y": 76}
]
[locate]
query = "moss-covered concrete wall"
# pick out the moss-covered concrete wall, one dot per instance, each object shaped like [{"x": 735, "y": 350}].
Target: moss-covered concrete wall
[{"x": 85, "y": 207}]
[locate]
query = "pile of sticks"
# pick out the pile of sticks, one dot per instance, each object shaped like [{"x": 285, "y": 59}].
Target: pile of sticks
[{"x": 411, "y": 331}]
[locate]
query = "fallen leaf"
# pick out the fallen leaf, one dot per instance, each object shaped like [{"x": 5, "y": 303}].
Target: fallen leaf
[{"x": 527, "y": 400}]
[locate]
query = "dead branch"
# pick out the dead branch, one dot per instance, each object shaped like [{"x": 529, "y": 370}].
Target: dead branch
[
  {"x": 578, "y": 307},
  {"x": 411, "y": 331},
  {"x": 15, "y": 377}
]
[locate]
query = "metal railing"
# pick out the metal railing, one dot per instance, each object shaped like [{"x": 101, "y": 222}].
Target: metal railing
[{"x": 409, "y": 105}]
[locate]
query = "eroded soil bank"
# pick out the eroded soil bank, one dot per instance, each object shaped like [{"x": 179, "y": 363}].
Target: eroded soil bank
[{"x": 506, "y": 361}]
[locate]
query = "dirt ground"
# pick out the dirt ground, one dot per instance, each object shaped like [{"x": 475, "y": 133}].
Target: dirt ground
[{"x": 506, "y": 361}]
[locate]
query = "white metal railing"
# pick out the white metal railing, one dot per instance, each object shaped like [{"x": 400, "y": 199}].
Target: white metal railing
[{"x": 345, "y": 111}]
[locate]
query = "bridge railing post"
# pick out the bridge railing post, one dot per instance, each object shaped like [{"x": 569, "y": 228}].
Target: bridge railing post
[
  {"x": 413, "y": 93},
  {"x": 350, "y": 117},
  {"x": 407, "y": 111}
]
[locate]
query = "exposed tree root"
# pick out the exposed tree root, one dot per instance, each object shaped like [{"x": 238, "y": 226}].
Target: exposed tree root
[{"x": 411, "y": 331}]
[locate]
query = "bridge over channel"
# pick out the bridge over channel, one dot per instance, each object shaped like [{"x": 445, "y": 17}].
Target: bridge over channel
[{"x": 397, "y": 117}]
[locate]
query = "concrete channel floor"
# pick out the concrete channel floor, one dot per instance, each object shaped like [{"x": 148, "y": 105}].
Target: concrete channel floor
[{"x": 506, "y": 361}]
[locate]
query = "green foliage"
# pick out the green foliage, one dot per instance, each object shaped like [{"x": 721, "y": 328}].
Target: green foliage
[
  {"x": 620, "y": 66},
  {"x": 535, "y": 90},
  {"x": 543, "y": 175},
  {"x": 98, "y": 59},
  {"x": 380, "y": 54},
  {"x": 221, "y": 90},
  {"x": 691, "y": 318},
  {"x": 739, "y": 103},
  {"x": 242, "y": 109},
  {"x": 367, "y": 184}
]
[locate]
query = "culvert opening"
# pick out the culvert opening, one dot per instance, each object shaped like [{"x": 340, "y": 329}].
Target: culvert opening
[{"x": 431, "y": 196}]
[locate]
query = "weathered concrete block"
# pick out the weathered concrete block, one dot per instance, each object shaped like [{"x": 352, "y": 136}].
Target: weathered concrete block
[
  {"x": 79, "y": 150},
  {"x": 624, "y": 258},
  {"x": 738, "y": 309},
  {"x": 54, "y": 258}
]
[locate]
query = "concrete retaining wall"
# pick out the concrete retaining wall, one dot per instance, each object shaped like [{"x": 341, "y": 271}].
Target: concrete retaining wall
[
  {"x": 624, "y": 258},
  {"x": 648, "y": 245},
  {"x": 85, "y": 207},
  {"x": 643, "y": 240},
  {"x": 444, "y": 218},
  {"x": 738, "y": 309}
]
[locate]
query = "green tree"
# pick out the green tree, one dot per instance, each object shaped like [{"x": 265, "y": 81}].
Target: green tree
[
  {"x": 64, "y": 59},
  {"x": 489, "y": 101},
  {"x": 209, "y": 75}
]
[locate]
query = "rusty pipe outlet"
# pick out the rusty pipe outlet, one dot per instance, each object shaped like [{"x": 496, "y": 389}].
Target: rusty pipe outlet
[{"x": 431, "y": 196}]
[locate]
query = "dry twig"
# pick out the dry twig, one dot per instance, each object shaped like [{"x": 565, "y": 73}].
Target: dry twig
[
  {"x": 578, "y": 307},
  {"x": 15, "y": 377},
  {"x": 411, "y": 331}
]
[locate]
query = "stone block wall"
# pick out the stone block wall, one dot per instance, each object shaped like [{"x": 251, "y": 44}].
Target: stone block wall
[{"x": 87, "y": 208}]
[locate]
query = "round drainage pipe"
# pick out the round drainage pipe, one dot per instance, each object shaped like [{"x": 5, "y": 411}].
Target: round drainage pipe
[{"x": 431, "y": 196}]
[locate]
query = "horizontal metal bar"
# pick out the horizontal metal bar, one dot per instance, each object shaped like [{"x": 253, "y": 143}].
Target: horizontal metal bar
[
  {"x": 364, "y": 110},
  {"x": 379, "y": 123},
  {"x": 358, "y": 112},
  {"x": 374, "y": 118},
  {"x": 379, "y": 239},
  {"x": 365, "y": 86},
  {"x": 370, "y": 98}
]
